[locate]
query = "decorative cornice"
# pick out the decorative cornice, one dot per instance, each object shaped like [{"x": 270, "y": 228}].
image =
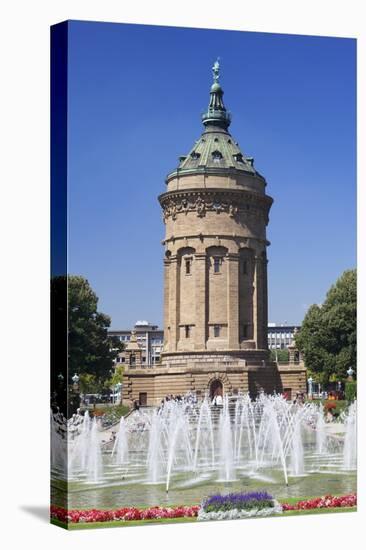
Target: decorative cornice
[
  {"x": 231, "y": 201},
  {"x": 212, "y": 171},
  {"x": 243, "y": 242}
]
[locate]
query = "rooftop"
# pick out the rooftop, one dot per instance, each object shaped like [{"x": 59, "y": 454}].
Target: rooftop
[{"x": 216, "y": 150}]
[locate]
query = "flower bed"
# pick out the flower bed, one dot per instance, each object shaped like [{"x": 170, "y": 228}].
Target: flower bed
[
  {"x": 215, "y": 507},
  {"x": 327, "y": 501},
  {"x": 238, "y": 505},
  {"x": 121, "y": 514}
]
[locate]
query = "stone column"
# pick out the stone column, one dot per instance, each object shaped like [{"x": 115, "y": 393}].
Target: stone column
[
  {"x": 166, "y": 303},
  {"x": 173, "y": 303},
  {"x": 265, "y": 302},
  {"x": 200, "y": 329},
  {"x": 258, "y": 302},
  {"x": 233, "y": 300}
]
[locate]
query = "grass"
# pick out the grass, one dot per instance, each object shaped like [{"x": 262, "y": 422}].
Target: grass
[
  {"x": 320, "y": 511},
  {"x": 106, "y": 408},
  {"x": 102, "y": 524},
  {"x": 140, "y": 522}
]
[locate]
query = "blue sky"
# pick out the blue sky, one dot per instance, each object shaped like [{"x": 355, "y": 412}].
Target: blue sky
[{"x": 136, "y": 94}]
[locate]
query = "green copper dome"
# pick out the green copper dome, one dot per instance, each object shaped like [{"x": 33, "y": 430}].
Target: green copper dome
[{"x": 216, "y": 150}]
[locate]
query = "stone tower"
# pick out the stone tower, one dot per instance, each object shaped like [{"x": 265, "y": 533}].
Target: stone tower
[{"x": 215, "y": 209}]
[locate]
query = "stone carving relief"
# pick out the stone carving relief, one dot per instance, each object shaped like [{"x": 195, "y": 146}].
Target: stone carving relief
[
  {"x": 199, "y": 204},
  {"x": 200, "y": 207}
]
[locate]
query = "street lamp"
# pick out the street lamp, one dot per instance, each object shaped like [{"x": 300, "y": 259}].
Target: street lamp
[
  {"x": 310, "y": 390},
  {"x": 75, "y": 378}
]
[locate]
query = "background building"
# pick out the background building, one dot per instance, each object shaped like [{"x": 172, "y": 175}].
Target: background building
[
  {"x": 281, "y": 336},
  {"x": 149, "y": 338}
]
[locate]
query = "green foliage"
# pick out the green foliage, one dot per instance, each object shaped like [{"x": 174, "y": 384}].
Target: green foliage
[
  {"x": 113, "y": 413},
  {"x": 90, "y": 351},
  {"x": 116, "y": 377},
  {"x": 282, "y": 355},
  {"x": 350, "y": 391},
  {"x": 89, "y": 383},
  {"x": 327, "y": 338}
]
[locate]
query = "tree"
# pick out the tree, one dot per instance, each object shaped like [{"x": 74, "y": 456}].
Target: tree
[
  {"x": 90, "y": 350},
  {"x": 88, "y": 383},
  {"x": 328, "y": 337},
  {"x": 116, "y": 377}
]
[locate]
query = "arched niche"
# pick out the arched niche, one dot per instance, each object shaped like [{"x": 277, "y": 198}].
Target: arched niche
[
  {"x": 246, "y": 291},
  {"x": 186, "y": 283},
  {"x": 216, "y": 250},
  {"x": 217, "y": 293},
  {"x": 185, "y": 251},
  {"x": 216, "y": 258},
  {"x": 185, "y": 259}
]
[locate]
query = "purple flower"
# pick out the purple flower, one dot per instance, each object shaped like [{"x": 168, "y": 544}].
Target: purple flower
[{"x": 238, "y": 501}]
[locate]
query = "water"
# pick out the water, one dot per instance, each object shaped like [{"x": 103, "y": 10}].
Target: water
[
  {"x": 350, "y": 441},
  {"x": 120, "y": 448},
  {"x": 321, "y": 436},
  {"x": 183, "y": 452},
  {"x": 226, "y": 448}
]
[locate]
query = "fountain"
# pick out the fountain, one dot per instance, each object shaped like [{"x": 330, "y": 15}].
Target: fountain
[
  {"x": 93, "y": 465},
  {"x": 155, "y": 454},
  {"x": 320, "y": 428},
  {"x": 204, "y": 437},
  {"x": 120, "y": 448},
  {"x": 350, "y": 440},
  {"x": 58, "y": 444},
  {"x": 178, "y": 444},
  {"x": 185, "y": 445},
  {"x": 85, "y": 456},
  {"x": 226, "y": 448},
  {"x": 297, "y": 449}
]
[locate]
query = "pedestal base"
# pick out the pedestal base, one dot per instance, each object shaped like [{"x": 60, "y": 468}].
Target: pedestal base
[{"x": 197, "y": 372}]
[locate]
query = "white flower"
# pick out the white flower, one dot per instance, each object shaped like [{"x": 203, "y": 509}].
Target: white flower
[{"x": 239, "y": 514}]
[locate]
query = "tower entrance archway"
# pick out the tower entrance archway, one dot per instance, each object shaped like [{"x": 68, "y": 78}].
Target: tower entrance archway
[{"x": 216, "y": 388}]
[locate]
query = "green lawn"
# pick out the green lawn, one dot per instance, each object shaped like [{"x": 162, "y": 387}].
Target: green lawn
[
  {"x": 73, "y": 526},
  {"x": 320, "y": 511}
]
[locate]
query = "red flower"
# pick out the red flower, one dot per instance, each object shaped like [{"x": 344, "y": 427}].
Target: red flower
[{"x": 327, "y": 501}]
